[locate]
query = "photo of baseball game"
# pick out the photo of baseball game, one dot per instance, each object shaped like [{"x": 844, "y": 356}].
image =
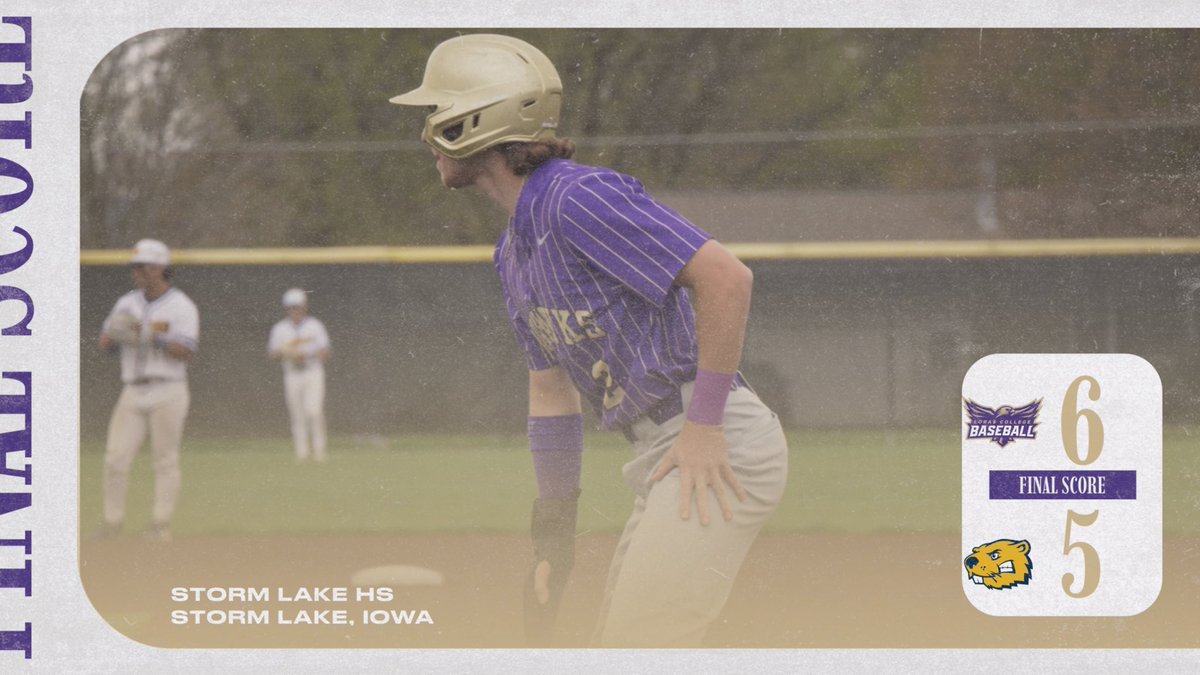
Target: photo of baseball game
[{"x": 579, "y": 338}]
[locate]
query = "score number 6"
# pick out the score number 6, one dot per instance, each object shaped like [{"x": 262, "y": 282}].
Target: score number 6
[{"x": 1095, "y": 443}]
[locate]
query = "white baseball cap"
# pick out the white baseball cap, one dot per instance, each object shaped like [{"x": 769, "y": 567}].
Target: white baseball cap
[
  {"x": 295, "y": 297},
  {"x": 151, "y": 252}
]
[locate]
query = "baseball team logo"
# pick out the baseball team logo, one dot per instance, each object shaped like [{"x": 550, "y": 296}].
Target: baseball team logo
[
  {"x": 1000, "y": 564},
  {"x": 1086, "y": 493},
  {"x": 1004, "y": 424}
]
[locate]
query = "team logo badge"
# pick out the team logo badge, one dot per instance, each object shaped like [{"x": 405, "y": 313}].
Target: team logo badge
[
  {"x": 1002, "y": 425},
  {"x": 1000, "y": 564}
]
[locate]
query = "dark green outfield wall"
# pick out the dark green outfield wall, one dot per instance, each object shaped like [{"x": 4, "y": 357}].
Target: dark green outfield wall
[{"x": 831, "y": 344}]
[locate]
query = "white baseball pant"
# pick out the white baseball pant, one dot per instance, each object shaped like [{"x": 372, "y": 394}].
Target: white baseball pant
[
  {"x": 157, "y": 408},
  {"x": 304, "y": 391},
  {"x": 670, "y": 577}
]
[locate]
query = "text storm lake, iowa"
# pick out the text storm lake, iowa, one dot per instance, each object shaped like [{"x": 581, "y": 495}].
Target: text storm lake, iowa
[{"x": 307, "y": 616}]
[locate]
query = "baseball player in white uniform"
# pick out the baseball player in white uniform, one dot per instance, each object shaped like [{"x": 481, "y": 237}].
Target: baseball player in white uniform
[
  {"x": 301, "y": 344},
  {"x": 156, "y": 327}
]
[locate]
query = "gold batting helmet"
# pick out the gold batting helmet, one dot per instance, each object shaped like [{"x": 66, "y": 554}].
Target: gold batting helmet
[{"x": 486, "y": 89}]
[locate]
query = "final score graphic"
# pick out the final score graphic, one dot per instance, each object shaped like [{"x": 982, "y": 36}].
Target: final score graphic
[{"x": 1062, "y": 485}]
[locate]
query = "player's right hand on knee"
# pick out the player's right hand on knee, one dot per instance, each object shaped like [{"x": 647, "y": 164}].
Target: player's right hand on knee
[{"x": 553, "y": 532}]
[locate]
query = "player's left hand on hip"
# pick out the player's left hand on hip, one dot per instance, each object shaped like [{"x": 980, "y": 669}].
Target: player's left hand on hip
[{"x": 702, "y": 457}]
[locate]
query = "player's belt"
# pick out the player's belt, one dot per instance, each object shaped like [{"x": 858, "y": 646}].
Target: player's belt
[
  {"x": 668, "y": 408},
  {"x": 150, "y": 380}
]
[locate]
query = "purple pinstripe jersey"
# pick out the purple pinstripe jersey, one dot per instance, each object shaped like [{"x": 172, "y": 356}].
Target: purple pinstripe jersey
[{"x": 588, "y": 266}]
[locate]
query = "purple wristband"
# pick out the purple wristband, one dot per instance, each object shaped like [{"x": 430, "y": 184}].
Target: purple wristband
[
  {"x": 556, "y": 444},
  {"x": 708, "y": 397}
]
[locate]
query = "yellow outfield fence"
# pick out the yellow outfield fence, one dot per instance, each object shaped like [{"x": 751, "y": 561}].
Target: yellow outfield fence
[
  {"x": 331, "y": 255},
  {"x": 860, "y": 250}
]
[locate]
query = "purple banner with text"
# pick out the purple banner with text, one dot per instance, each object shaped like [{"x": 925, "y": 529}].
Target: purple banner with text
[{"x": 1063, "y": 485}]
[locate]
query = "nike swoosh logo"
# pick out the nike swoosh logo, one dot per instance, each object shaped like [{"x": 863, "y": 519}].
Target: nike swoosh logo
[{"x": 542, "y": 239}]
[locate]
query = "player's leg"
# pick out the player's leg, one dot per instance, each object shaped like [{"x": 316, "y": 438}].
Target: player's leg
[
  {"x": 614, "y": 568},
  {"x": 126, "y": 432},
  {"x": 293, "y": 392},
  {"x": 314, "y": 411},
  {"x": 166, "y": 435},
  {"x": 675, "y": 575}
]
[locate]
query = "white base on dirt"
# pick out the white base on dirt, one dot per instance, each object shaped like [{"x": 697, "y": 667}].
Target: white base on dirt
[{"x": 397, "y": 575}]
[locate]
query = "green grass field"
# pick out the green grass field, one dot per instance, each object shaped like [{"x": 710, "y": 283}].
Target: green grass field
[{"x": 840, "y": 481}]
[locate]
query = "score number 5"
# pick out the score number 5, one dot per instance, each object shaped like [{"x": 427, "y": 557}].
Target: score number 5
[{"x": 1095, "y": 443}]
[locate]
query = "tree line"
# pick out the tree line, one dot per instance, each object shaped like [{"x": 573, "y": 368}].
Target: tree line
[{"x": 285, "y": 137}]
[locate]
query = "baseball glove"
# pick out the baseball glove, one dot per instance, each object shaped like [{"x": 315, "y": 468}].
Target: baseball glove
[
  {"x": 124, "y": 328},
  {"x": 553, "y": 530},
  {"x": 295, "y": 351}
]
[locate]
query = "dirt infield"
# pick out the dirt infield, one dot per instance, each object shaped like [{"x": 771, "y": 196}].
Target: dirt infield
[{"x": 798, "y": 591}]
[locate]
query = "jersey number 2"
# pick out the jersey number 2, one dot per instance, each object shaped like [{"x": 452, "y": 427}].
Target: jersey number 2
[{"x": 613, "y": 393}]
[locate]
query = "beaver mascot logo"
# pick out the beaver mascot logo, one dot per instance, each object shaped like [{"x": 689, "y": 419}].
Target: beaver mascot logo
[{"x": 1003, "y": 563}]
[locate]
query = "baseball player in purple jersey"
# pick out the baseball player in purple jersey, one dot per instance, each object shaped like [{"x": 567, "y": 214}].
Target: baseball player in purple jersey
[{"x": 620, "y": 301}]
